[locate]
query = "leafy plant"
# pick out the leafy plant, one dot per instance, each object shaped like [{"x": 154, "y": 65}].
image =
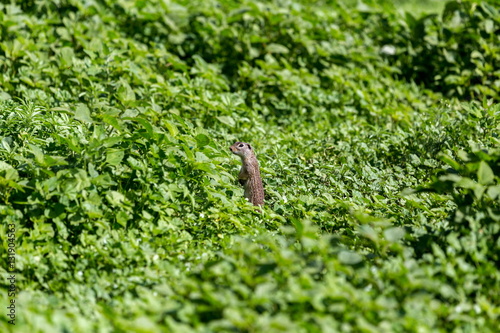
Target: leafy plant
[
  {"x": 454, "y": 53},
  {"x": 115, "y": 123}
]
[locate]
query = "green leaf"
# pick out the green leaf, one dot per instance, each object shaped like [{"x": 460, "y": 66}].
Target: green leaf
[
  {"x": 113, "y": 121},
  {"x": 350, "y": 258},
  {"x": 122, "y": 218},
  {"x": 125, "y": 92},
  {"x": 200, "y": 157},
  {"x": 172, "y": 129},
  {"x": 146, "y": 124},
  {"x": 485, "y": 175},
  {"x": 39, "y": 155},
  {"x": 276, "y": 48},
  {"x": 5, "y": 144},
  {"x": 394, "y": 234},
  {"x": 489, "y": 26},
  {"x": 114, "y": 156},
  {"x": 202, "y": 140},
  {"x": 115, "y": 198},
  {"x": 82, "y": 113},
  {"x": 66, "y": 57},
  {"x": 227, "y": 120},
  {"x": 450, "y": 161},
  {"x": 494, "y": 192}
]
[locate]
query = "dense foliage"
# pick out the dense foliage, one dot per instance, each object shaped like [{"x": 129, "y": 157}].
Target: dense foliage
[{"x": 377, "y": 135}]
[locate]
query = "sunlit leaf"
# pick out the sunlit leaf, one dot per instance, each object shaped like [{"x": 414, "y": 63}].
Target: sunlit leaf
[
  {"x": 484, "y": 173},
  {"x": 82, "y": 113}
]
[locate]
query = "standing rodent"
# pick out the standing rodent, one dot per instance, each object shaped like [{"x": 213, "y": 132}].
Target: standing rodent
[{"x": 249, "y": 175}]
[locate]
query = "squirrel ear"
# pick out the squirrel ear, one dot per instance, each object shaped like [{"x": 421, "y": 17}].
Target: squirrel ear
[{"x": 249, "y": 146}]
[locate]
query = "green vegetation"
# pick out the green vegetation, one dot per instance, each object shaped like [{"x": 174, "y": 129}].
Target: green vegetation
[{"x": 377, "y": 135}]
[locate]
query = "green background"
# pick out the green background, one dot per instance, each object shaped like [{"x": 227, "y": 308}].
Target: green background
[{"x": 375, "y": 124}]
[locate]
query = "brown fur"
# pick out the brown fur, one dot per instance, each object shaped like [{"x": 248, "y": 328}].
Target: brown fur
[{"x": 249, "y": 175}]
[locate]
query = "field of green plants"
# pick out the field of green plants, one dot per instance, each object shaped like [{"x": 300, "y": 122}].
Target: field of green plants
[{"x": 376, "y": 125}]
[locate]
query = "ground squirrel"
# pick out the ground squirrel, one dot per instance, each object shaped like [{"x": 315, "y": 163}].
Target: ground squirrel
[{"x": 249, "y": 175}]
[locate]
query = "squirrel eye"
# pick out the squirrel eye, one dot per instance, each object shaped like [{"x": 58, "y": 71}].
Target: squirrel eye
[{"x": 241, "y": 145}]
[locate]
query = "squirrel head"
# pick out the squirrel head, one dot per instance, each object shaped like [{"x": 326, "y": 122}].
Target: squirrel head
[{"x": 242, "y": 149}]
